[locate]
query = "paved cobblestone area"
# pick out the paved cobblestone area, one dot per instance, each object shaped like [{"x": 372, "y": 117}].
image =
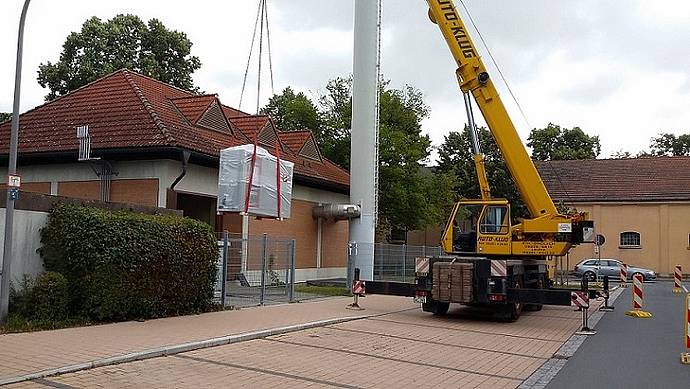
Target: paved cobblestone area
[
  {"x": 399, "y": 349},
  {"x": 27, "y": 353}
]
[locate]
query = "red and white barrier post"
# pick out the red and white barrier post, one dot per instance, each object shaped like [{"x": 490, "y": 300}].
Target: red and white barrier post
[
  {"x": 358, "y": 289},
  {"x": 678, "y": 280},
  {"x": 624, "y": 275},
  {"x": 638, "y": 298},
  {"x": 685, "y": 357}
]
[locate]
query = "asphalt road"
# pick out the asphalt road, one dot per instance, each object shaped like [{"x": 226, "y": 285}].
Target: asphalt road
[{"x": 630, "y": 352}]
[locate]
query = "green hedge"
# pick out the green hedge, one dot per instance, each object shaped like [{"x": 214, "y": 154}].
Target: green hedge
[
  {"x": 43, "y": 299},
  {"x": 122, "y": 265}
]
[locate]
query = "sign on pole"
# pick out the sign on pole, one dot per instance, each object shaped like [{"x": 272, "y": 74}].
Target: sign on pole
[{"x": 14, "y": 181}]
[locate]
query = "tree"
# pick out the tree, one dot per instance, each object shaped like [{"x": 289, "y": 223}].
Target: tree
[
  {"x": 621, "y": 154},
  {"x": 124, "y": 41},
  {"x": 670, "y": 144},
  {"x": 456, "y": 157},
  {"x": 4, "y": 116},
  {"x": 336, "y": 109},
  {"x": 410, "y": 195},
  {"x": 293, "y": 112},
  {"x": 556, "y": 143}
]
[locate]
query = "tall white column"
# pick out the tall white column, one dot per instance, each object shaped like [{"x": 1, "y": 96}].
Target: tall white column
[{"x": 364, "y": 160}]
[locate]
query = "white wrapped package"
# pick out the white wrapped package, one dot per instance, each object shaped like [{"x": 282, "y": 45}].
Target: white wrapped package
[{"x": 235, "y": 174}]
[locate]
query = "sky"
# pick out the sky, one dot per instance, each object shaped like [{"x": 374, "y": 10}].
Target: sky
[{"x": 618, "y": 69}]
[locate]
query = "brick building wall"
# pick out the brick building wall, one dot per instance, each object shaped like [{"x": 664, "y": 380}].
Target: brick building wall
[
  {"x": 334, "y": 235},
  {"x": 131, "y": 191},
  {"x": 302, "y": 227}
]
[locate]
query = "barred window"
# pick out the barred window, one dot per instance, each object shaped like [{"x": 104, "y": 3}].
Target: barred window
[{"x": 630, "y": 239}]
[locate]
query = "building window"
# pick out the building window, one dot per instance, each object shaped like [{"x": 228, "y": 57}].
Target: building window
[{"x": 630, "y": 239}]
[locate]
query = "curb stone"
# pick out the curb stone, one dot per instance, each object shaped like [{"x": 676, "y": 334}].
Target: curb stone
[{"x": 542, "y": 376}]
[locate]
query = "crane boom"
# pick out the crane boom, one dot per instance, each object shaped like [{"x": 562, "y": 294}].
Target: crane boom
[{"x": 473, "y": 78}]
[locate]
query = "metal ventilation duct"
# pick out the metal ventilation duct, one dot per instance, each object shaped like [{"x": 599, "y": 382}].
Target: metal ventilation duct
[{"x": 336, "y": 211}]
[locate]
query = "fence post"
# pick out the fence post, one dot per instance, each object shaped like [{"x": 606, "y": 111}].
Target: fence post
[
  {"x": 404, "y": 272},
  {"x": 264, "y": 243},
  {"x": 223, "y": 290},
  {"x": 291, "y": 285},
  {"x": 351, "y": 252},
  {"x": 288, "y": 254}
]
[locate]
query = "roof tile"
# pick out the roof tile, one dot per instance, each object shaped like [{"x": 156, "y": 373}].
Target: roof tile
[{"x": 628, "y": 179}]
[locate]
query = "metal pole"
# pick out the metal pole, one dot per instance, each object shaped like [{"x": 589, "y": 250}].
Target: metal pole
[
  {"x": 404, "y": 272},
  {"x": 291, "y": 289},
  {"x": 223, "y": 286},
  {"x": 12, "y": 169},
  {"x": 351, "y": 253},
  {"x": 264, "y": 243}
]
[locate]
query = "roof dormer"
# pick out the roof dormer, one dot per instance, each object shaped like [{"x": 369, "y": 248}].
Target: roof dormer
[{"x": 204, "y": 111}]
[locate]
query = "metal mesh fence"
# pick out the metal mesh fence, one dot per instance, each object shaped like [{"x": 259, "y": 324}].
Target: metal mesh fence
[
  {"x": 392, "y": 262},
  {"x": 258, "y": 269},
  {"x": 396, "y": 262}
]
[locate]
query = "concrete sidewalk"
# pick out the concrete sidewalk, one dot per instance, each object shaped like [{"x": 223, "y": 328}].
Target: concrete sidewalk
[{"x": 45, "y": 351}]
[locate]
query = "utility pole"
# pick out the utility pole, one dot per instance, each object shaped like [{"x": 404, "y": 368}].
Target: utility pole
[{"x": 11, "y": 171}]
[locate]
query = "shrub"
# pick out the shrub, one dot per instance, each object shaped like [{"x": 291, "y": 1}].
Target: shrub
[
  {"x": 44, "y": 299},
  {"x": 122, "y": 265}
]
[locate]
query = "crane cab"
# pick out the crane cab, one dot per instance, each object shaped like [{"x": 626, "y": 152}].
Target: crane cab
[{"x": 479, "y": 226}]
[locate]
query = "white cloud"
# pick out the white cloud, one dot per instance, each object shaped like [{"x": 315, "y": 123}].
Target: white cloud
[{"x": 617, "y": 69}]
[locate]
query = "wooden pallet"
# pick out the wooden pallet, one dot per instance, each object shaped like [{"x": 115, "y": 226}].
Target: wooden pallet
[{"x": 452, "y": 282}]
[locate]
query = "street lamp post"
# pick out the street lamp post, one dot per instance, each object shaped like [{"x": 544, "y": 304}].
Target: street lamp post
[{"x": 12, "y": 170}]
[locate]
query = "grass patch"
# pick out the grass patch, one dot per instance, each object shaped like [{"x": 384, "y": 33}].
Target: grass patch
[
  {"x": 18, "y": 323},
  {"x": 322, "y": 290}
]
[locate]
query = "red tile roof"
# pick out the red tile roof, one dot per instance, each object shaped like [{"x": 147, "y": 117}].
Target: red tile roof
[
  {"x": 233, "y": 112},
  {"x": 128, "y": 110},
  {"x": 630, "y": 179},
  {"x": 192, "y": 107},
  {"x": 294, "y": 139},
  {"x": 250, "y": 125}
]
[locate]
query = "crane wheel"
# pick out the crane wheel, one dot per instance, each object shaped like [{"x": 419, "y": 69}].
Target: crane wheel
[{"x": 512, "y": 311}]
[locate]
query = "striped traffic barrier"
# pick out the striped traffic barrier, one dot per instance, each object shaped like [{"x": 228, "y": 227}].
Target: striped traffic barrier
[
  {"x": 638, "y": 298},
  {"x": 580, "y": 299},
  {"x": 358, "y": 289},
  {"x": 685, "y": 357},
  {"x": 678, "y": 280},
  {"x": 624, "y": 275}
]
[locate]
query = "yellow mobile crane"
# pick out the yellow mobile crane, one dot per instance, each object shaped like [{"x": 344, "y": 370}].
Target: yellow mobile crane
[
  {"x": 489, "y": 261},
  {"x": 505, "y": 264}
]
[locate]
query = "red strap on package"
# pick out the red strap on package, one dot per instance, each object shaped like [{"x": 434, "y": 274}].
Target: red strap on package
[
  {"x": 251, "y": 178},
  {"x": 278, "y": 179}
]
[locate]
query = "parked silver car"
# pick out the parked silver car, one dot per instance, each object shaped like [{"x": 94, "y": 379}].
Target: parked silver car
[{"x": 598, "y": 268}]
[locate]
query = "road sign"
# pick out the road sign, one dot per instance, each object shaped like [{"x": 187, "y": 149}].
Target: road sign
[
  {"x": 14, "y": 181},
  {"x": 599, "y": 240}
]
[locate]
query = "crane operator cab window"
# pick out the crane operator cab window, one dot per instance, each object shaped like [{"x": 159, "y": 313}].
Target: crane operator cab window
[
  {"x": 495, "y": 220},
  {"x": 464, "y": 228}
]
